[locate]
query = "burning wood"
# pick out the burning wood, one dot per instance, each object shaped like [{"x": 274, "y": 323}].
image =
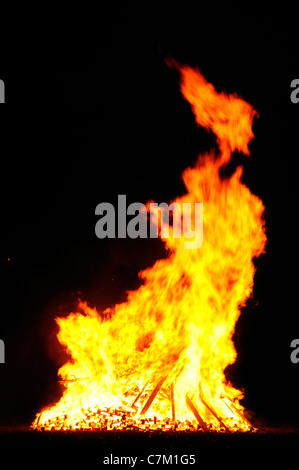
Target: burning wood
[
  {"x": 153, "y": 395},
  {"x": 194, "y": 410},
  {"x": 214, "y": 413},
  {"x": 113, "y": 419},
  {"x": 187, "y": 307},
  {"x": 234, "y": 409},
  {"x": 139, "y": 395},
  {"x": 172, "y": 402}
]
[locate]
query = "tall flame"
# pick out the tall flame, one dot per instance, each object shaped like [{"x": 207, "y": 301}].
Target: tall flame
[{"x": 158, "y": 359}]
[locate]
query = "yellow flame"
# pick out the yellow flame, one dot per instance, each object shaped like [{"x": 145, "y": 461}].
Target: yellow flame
[{"x": 158, "y": 359}]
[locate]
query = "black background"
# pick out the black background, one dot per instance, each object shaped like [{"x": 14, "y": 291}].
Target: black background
[{"x": 92, "y": 111}]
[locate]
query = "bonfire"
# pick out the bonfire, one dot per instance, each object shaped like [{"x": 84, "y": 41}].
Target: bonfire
[{"x": 157, "y": 361}]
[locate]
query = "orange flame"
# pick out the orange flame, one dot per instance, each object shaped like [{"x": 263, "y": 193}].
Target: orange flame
[
  {"x": 228, "y": 116},
  {"x": 158, "y": 359}
]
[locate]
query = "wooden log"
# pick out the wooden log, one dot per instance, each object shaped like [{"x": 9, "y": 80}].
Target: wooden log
[
  {"x": 239, "y": 412},
  {"x": 38, "y": 419},
  {"x": 139, "y": 395},
  {"x": 192, "y": 408},
  {"x": 153, "y": 395},
  {"x": 230, "y": 409},
  {"x": 213, "y": 412},
  {"x": 172, "y": 402},
  {"x": 222, "y": 399}
]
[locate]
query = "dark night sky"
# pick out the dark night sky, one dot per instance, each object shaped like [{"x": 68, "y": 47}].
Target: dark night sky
[{"x": 92, "y": 112}]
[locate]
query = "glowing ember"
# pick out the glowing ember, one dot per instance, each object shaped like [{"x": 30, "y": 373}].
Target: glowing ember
[{"x": 157, "y": 361}]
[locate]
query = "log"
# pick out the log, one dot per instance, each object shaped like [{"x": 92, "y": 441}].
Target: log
[
  {"x": 172, "y": 402},
  {"x": 75, "y": 379},
  {"x": 139, "y": 395},
  {"x": 239, "y": 412},
  {"x": 192, "y": 408},
  {"x": 38, "y": 419},
  {"x": 232, "y": 412},
  {"x": 213, "y": 412},
  {"x": 153, "y": 395}
]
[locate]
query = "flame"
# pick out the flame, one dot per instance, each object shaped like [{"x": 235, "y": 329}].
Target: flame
[{"x": 158, "y": 360}]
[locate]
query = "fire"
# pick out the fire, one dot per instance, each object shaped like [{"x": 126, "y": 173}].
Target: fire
[{"x": 158, "y": 360}]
